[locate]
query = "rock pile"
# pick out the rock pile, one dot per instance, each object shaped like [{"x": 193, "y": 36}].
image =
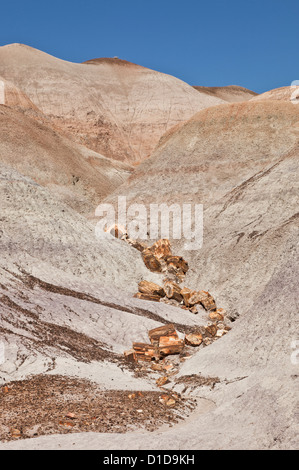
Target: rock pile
[{"x": 164, "y": 341}]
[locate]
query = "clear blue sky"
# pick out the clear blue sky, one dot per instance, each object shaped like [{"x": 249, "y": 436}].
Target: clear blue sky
[{"x": 252, "y": 43}]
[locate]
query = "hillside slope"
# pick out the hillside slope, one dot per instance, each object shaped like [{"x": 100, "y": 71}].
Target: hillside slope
[{"x": 114, "y": 107}]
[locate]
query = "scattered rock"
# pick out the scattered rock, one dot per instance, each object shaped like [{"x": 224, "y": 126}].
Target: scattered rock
[
  {"x": 150, "y": 261},
  {"x": 173, "y": 291},
  {"x": 216, "y": 315},
  {"x": 171, "y": 402},
  {"x": 207, "y": 341},
  {"x": 194, "y": 339},
  {"x": 151, "y": 297},
  {"x": 15, "y": 433},
  {"x": 162, "y": 381},
  {"x": 146, "y": 287},
  {"x": 130, "y": 355},
  {"x": 211, "y": 330}
]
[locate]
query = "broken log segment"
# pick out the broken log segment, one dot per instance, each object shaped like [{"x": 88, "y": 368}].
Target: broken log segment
[
  {"x": 165, "y": 330},
  {"x": 168, "y": 340},
  {"x": 211, "y": 330},
  {"x": 152, "y": 297},
  {"x": 145, "y": 352},
  {"x": 172, "y": 348},
  {"x": 207, "y": 301},
  {"x": 146, "y": 287},
  {"x": 194, "y": 339},
  {"x": 190, "y": 297},
  {"x": 130, "y": 355},
  {"x": 177, "y": 264},
  {"x": 173, "y": 291},
  {"x": 151, "y": 262},
  {"x": 202, "y": 297}
]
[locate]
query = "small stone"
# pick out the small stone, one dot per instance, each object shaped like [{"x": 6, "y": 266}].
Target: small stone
[
  {"x": 157, "y": 367},
  {"x": 220, "y": 333},
  {"x": 162, "y": 381},
  {"x": 168, "y": 367},
  {"x": 15, "y": 432},
  {"x": 207, "y": 341},
  {"x": 211, "y": 330},
  {"x": 171, "y": 402},
  {"x": 194, "y": 310},
  {"x": 193, "y": 339},
  {"x": 216, "y": 315},
  {"x": 132, "y": 396},
  {"x": 163, "y": 399}
]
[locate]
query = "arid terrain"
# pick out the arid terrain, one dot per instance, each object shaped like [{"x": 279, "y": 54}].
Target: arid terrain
[{"x": 82, "y": 365}]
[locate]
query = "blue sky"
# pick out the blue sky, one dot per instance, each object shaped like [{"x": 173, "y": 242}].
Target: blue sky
[{"x": 251, "y": 43}]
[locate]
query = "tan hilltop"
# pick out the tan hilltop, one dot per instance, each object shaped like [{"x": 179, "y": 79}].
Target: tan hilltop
[
  {"x": 287, "y": 93},
  {"x": 119, "y": 111},
  {"x": 230, "y": 93}
]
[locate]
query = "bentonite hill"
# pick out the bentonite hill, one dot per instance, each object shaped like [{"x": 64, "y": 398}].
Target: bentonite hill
[{"x": 82, "y": 364}]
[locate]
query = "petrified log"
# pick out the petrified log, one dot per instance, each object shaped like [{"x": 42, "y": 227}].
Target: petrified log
[
  {"x": 150, "y": 261},
  {"x": 173, "y": 291},
  {"x": 190, "y": 297},
  {"x": 176, "y": 264},
  {"x": 166, "y": 339},
  {"x": 145, "y": 352},
  {"x": 130, "y": 355},
  {"x": 217, "y": 315},
  {"x": 193, "y": 339},
  {"x": 152, "y": 297},
  {"x": 211, "y": 330},
  {"x": 161, "y": 249},
  {"x": 151, "y": 288},
  {"x": 172, "y": 348},
  {"x": 165, "y": 330},
  {"x": 206, "y": 300}
]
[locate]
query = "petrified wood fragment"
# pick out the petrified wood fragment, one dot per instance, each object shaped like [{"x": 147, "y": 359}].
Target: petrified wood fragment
[
  {"x": 152, "y": 297},
  {"x": 151, "y": 288},
  {"x": 173, "y": 291},
  {"x": 150, "y": 261}
]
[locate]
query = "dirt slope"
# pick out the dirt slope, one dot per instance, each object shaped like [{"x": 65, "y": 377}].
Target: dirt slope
[
  {"x": 246, "y": 181},
  {"x": 249, "y": 261},
  {"x": 114, "y": 107},
  {"x": 81, "y": 177},
  {"x": 215, "y": 151},
  {"x": 10, "y": 95}
]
